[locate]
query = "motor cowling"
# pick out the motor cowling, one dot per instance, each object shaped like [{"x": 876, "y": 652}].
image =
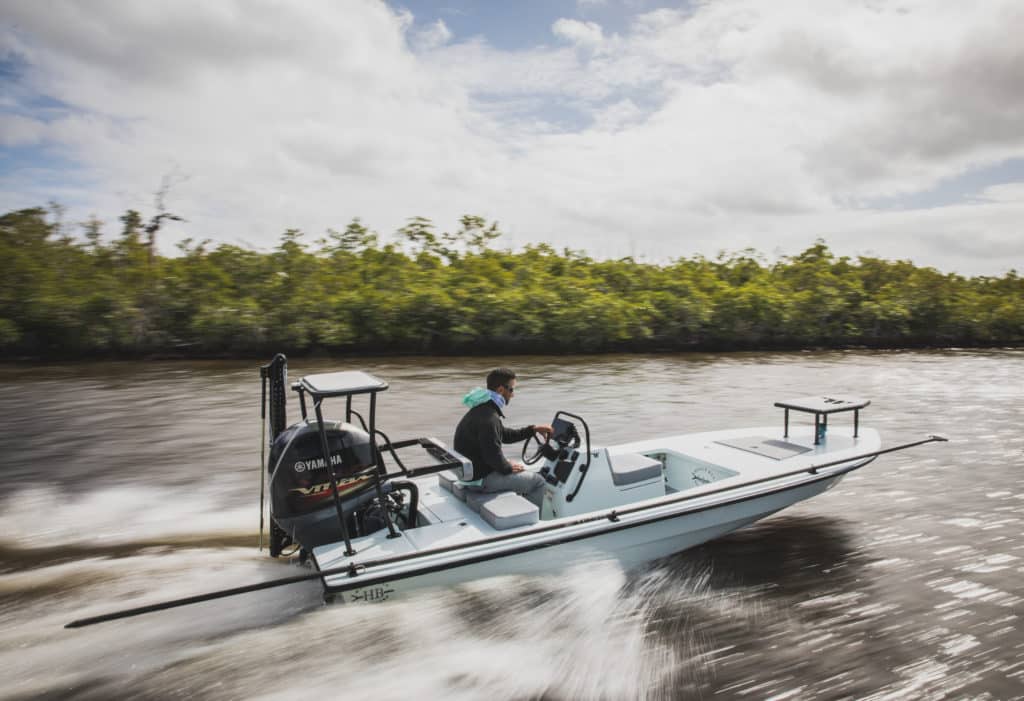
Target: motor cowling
[{"x": 300, "y": 481}]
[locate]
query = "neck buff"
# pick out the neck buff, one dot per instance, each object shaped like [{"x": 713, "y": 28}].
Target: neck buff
[
  {"x": 497, "y": 399},
  {"x": 479, "y": 395}
]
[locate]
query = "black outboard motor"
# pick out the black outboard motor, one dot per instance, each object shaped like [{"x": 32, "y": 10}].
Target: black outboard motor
[{"x": 301, "y": 498}]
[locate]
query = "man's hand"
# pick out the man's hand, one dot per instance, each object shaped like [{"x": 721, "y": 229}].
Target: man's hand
[
  {"x": 544, "y": 429},
  {"x": 517, "y": 467}
]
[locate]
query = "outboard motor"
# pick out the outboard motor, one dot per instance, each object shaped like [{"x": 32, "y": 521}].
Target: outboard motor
[{"x": 301, "y": 498}]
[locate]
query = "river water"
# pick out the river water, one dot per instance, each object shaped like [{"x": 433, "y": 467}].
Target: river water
[{"x": 129, "y": 483}]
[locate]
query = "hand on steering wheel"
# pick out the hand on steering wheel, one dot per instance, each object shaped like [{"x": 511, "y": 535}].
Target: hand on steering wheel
[{"x": 539, "y": 432}]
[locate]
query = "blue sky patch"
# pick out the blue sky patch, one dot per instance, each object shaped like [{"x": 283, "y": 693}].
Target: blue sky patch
[
  {"x": 524, "y": 24},
  {"x": 958, "y": 189}
]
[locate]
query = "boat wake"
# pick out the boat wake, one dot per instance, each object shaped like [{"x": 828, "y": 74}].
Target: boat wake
[
  {"x": 592, "y": 632},
  {"x": 98, "y": 521},
  {"x": 586, "y": 634}
]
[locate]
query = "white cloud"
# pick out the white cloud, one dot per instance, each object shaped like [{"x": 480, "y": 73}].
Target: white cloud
[
  {"x": 578, "y": 32},
  {"x": 276, "y": 129},
  {"x": 432, "y": 36},
  {"x": 617, "y": 115},
  {"x": 735, "y": 123}
]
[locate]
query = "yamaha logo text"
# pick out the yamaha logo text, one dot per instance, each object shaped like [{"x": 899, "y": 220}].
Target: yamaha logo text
[{"x": 315, "y": 463}]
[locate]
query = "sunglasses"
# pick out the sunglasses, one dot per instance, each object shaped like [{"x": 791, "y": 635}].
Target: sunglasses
[{"x": 511, "y": 390}]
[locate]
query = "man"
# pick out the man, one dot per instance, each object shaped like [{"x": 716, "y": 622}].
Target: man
[{"x": 480, "y": 435}]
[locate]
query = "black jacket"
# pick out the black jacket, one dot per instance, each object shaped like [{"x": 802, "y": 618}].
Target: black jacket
[{"x": 479, "y": 436}]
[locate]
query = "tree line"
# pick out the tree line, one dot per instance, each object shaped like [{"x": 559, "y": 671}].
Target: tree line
[{"x": 76, "y": 294}]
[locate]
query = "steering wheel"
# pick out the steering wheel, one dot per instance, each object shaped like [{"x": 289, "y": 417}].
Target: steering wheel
[
  {"x": 564, "y": 435},
  {"x": 543, "y": 442}
]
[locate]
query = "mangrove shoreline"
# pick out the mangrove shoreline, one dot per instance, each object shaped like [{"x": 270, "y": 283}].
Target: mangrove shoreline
[{"x": 76, "y": 295}]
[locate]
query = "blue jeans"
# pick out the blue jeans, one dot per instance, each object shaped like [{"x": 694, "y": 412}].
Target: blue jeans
[{"x": 529, "y": 484}]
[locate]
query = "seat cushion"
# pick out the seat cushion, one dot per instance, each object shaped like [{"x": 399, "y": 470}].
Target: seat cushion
[
  {"x": 509, "y": 510},
  {"x": 631, "y": 468},
  {"x": 449, "y": 481},
  {"x": 475, "y": 499}
]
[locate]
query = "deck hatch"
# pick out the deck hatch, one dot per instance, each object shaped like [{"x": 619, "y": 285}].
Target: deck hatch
[{"x": 766, "y": 447}]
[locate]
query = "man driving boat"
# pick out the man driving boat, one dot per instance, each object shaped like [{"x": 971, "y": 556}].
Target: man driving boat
[{"x": 480, "y": 435}]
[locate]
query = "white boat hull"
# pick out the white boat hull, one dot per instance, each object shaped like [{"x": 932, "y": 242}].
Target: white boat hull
[{"x": 632, "y": 541}]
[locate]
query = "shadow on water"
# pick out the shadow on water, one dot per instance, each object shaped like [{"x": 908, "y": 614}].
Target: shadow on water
[
  {"x": 797, "y": 590},
  {"x": 787, "y": 556},
  {"x": 701, "y": 617}
]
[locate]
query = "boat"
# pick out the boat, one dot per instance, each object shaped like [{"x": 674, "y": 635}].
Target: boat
[
  {"x": 375, "y": 528},
  {"x": 375, "y": 518}
]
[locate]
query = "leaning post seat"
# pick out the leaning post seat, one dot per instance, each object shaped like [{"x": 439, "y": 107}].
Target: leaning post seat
[{"x": 509, "y": 510}]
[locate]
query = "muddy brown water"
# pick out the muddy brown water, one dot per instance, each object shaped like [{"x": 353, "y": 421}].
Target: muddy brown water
[{"x": 127, "y": 483}]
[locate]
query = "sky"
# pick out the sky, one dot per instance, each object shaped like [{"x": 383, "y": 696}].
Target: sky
[{"x": 619, "y": 127}]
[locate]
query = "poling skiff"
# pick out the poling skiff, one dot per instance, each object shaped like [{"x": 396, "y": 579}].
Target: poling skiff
[
  {"x": 373, "y": 526},
  {"x": 382, "y": 529}
]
